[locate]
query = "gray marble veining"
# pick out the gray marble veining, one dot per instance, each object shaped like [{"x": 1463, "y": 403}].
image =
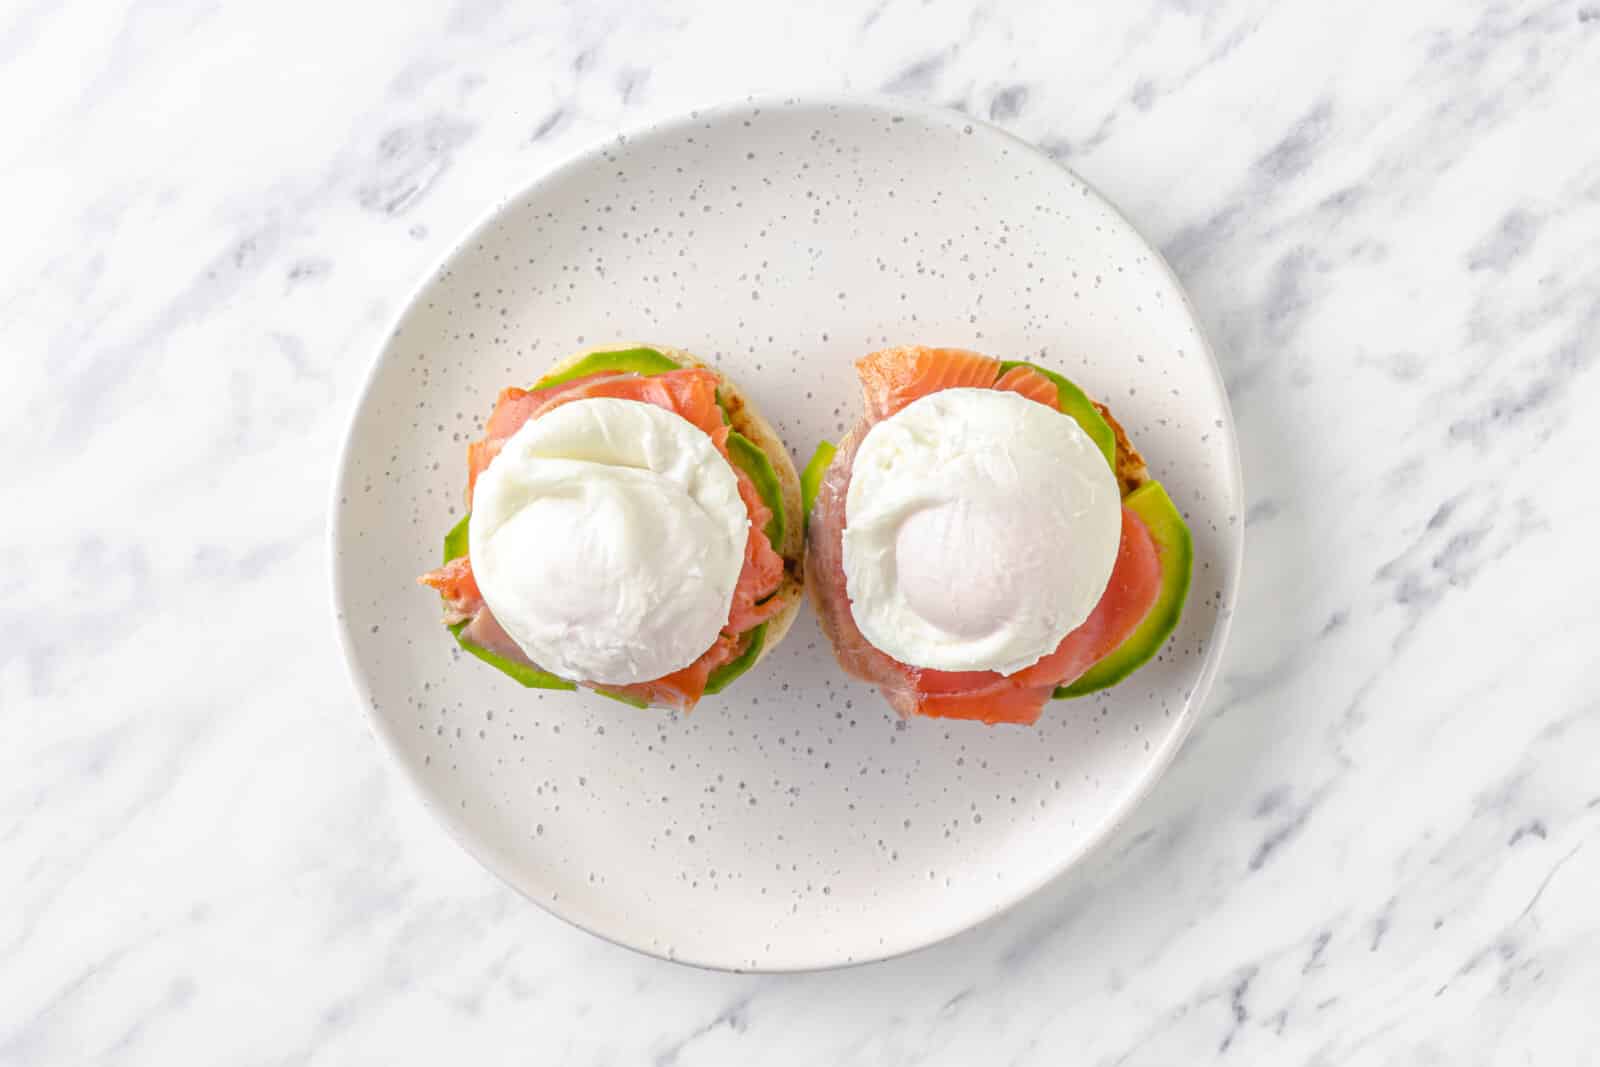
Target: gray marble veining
[{"x": 1381, "y": 844}]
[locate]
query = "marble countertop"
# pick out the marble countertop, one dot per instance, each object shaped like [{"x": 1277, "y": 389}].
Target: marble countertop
[{"x": 1380, "y": 845}]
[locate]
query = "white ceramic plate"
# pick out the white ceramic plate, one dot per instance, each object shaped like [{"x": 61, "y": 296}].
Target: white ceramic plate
[{"x": 794, "y": 822}]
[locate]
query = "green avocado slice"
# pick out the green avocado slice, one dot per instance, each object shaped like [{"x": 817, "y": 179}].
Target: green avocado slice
[
  {"x": 724, "y": 675},
  {"x": 646, "y": 361},
  {"x": 531, "y": 677},
  {"x": 455, "y": 546},
  {"x": 754, "y": 462},
  {"x": 1073, "y": 401},
  {"x": 811, "y": 477},
  {"x": 455, "y": 542},
  {"x": 1176, "y": 552}
]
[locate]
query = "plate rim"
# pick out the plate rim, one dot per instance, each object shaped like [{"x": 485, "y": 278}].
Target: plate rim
[{"x": 881, "y": 103}]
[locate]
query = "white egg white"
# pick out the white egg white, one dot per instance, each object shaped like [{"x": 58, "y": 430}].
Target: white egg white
[
  {"x": 607, "y": 538},
  {"x": 980, "y": 528}
]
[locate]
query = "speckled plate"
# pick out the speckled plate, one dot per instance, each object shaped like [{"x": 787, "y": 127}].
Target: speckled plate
[{"x": 794, "y": 822}]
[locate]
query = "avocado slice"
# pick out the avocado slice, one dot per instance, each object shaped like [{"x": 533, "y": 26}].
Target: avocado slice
[
  {"x": 455, "y": 542},
  {"x": 531, "y": 677},
  {"x": 754, "y": 462},
  {"x": 724, "y": 675},
  {"x": 645, "y": 361},
  {"x": 1176, "y": 552},
  {"x": 455, "y": 546},
  {"x": 811, "y": 477},
  {"x": 1073, "y": 401}
]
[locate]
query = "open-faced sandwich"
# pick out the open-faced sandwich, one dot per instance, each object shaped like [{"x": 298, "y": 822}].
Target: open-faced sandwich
[
  {"x": 633, "y": 526},
  {"x": 987, "y": 538}
]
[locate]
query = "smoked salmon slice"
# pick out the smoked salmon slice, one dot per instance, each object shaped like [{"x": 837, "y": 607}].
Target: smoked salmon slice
[
  {"x": 891, "y": 379},
  {"x": 894, "y": 377},
  {"x": 690, "y": 393},
  {"x": 454, "y": 582},
  {"x": 1131, "y": 592},
  {"x": 763, "y": 568},
  {"x": 681, "y": 689},
  {"x": 1030, "y": 383}
]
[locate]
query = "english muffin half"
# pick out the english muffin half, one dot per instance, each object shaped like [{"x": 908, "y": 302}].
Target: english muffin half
[{"x": 633, "y": 526}]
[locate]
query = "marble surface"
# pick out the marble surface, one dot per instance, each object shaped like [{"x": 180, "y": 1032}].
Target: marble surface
[{"x": 1380, "y": 845}]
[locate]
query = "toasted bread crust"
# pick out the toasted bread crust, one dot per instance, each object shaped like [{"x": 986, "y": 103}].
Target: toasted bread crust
[{"x": 1131, "y": 470}]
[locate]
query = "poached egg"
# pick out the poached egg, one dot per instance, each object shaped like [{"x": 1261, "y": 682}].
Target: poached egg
[
  {"x": 981, "y": 527},
  {"x": 607, "y": 538}
]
